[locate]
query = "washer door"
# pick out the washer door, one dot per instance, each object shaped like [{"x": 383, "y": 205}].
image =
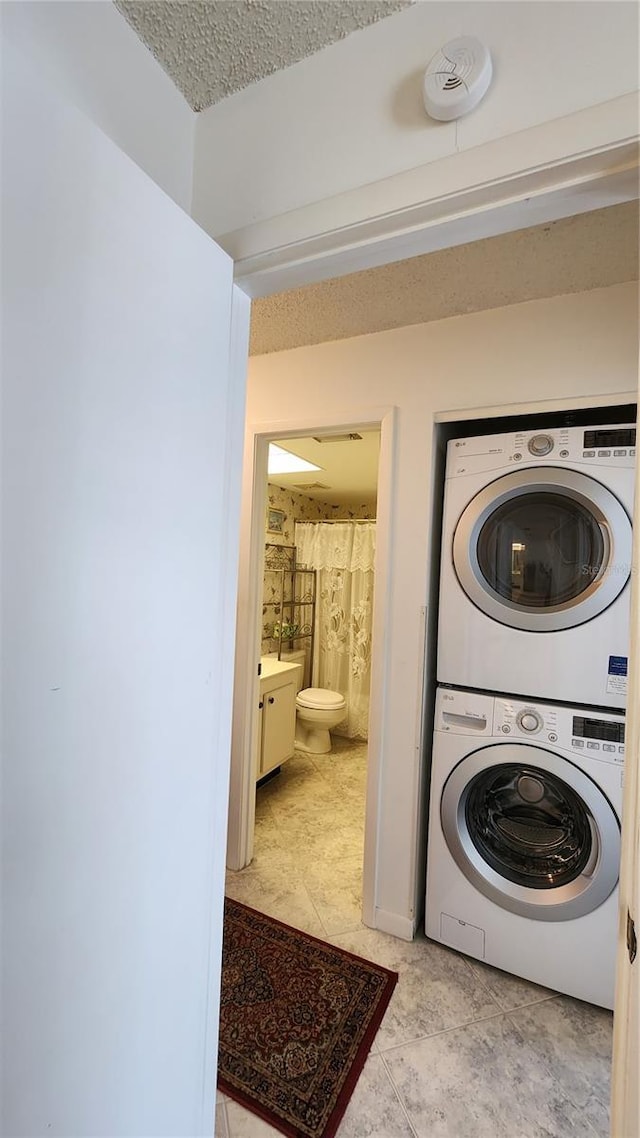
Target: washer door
[
  {"x": 531, "y": 831},
  {"x": 543, "y": 549}
]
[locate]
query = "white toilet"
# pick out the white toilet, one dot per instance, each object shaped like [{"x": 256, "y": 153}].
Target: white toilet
[{"x": 318, "y": 710}]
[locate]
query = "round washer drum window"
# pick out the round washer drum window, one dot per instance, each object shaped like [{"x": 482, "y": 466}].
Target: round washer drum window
[
  {"x": 540, "y": 550},
  {"x": 543, "y": 550},
  {"x": 529, "y": 826},
  {"x": 531, "y": 830}
]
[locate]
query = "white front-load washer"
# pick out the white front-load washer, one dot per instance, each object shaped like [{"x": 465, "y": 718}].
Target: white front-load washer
[
  {"x": 536, "y": 560},
  {"x": 524, "y": 838}
]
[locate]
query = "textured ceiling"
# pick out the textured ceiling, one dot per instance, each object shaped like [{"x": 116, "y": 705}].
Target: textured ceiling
[
  {"x": 211, "y": 48},
  {"x": 591, "y": 250}
]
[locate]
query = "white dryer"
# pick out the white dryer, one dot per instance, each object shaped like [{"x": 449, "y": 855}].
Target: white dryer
[
  {"x": 536, "y": 559},
  {"x": 524, "y": 838}
]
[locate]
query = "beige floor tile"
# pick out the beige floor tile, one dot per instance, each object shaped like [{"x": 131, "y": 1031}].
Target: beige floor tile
[
  {"x": 374, "y": 1109},
  {"x": 243, "y": 1124},
  {"x": 328, "y": 847},
  {"x": 221, "y": 1130},
  {"x": 509, "y": 991},
  {"x": 298, "y": 820},
  {"x": 285, "y": 900},
  {"x": 335, "y": 887},
  {"x": 436, "y": 990},
  {"x": 574, "y": 1039},
  {"x": 482, "y": 1081}
]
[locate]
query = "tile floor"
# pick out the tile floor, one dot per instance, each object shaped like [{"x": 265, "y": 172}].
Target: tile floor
[{"x": 464, "y": 1051}]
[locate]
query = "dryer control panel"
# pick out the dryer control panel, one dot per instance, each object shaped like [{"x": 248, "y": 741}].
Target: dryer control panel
[
  {"x": 613, "y": 445},
  {"x": 581, "y": 731}
]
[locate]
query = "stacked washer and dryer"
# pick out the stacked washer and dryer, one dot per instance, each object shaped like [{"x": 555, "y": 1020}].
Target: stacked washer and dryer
[{"x": 528, "y": 753}]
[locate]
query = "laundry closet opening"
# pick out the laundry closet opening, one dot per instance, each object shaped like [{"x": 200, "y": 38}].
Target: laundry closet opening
[{"x": 529, "y": 693}]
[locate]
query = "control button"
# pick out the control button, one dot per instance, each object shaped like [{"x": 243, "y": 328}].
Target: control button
[
  {"x": 517, "y": 456},
  {"x": 604, "y": 453},
  {"x": 619, "y": 453},
  {"x": 632, "y": 452},
  {"x": 593, "y": 746},
  {"x": 588, "y": 454},
  {"x": 621, "y": 750},
  {"x": 564, "y": 454},
  {"x": 552, "y": 737},
  {"x": 577, "y": 742},
  {"x": 607, "y": 747},
  {"x": 540, "y": 444},
  {"x": 529, "y": 720},
  {"x": 506, "y": 728}
]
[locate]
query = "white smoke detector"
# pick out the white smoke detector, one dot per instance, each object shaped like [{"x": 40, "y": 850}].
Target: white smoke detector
[{"x": 457, "y": 78}]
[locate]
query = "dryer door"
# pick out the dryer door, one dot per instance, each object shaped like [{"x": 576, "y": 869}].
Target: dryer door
[
  {"x": 531, "y": 831},
  {"x": 543, "y": 549}
]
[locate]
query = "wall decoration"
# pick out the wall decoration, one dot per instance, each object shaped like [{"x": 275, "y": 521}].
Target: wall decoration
[{"x": 275, "y": 520}]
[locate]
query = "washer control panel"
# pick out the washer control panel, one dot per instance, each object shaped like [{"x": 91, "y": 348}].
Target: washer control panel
[
  {"x": 581, "y": 732},
  {"x": 599, "y": 735},
  {"x": 537, "y": 721},
  {"x": 591, "y": 446}
]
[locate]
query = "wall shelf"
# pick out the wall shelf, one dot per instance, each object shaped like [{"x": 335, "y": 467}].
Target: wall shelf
[{"x": 292, "y": 590}]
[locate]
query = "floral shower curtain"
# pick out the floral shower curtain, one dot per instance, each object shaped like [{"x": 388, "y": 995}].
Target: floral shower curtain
[{"x": 343, "y": 555}]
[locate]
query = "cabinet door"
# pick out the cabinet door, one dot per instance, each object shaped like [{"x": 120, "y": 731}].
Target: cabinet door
[{"x": 278, "y": 725}]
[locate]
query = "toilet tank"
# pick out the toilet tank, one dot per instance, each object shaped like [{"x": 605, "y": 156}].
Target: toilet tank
[{"x": 297, "y": 656}]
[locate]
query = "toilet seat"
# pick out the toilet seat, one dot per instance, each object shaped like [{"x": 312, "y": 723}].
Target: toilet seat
[{"x": 319, "y": 699}]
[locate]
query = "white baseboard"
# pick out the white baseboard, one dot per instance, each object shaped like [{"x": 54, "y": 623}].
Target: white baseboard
[{"x": 402, "y": 927}]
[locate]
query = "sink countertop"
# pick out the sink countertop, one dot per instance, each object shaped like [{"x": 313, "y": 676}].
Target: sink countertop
[{"x": 271, "y": 667}]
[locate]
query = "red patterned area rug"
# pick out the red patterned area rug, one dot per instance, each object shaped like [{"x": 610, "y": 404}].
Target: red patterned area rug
[{"x": 297, "y": 1019}]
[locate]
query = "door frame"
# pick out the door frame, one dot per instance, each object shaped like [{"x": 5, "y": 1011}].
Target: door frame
[
  {"x": 579, "y": 163},
  {"x": 571, "y": 165},
  {"x": 625, "y": 1088},
  {"x": 246, "y": 693}
]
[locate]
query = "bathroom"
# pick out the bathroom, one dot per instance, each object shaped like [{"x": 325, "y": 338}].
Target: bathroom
[{"x": 319, "y": 517}]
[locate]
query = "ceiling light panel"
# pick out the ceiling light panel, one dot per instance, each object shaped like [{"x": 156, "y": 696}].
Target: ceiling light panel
[{"x": 283, "y": 461}]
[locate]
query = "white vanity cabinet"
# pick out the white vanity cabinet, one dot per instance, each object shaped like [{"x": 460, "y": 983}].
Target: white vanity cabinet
[{"x": 279, "y": 685}]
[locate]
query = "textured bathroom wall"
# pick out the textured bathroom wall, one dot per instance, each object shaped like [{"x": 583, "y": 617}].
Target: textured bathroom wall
[{"x": 297, "y": 507}]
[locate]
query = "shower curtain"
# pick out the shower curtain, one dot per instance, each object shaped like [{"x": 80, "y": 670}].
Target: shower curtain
[{"x": 343, "y": 555}]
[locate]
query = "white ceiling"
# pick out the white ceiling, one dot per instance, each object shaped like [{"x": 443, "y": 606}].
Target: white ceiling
[
  {"x": 590, "y": 250},
  {"x": 212, "y": 48},
  {"x": 349, "y": 469}
]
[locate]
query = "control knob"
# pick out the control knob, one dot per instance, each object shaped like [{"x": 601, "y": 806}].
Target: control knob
[
  {"x": 529, "y": 721},
  {"x": 540, "y": 445}
]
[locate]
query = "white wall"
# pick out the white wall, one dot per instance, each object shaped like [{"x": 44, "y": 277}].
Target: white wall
[
  {"x": 580, "y": 345},
  {"x": 88, "y": 52},
  {"x": 122, "y": 436},
  {"x": 352, "y": 114}
]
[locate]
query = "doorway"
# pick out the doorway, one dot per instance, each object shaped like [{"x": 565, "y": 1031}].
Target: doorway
[
  {"x": 242, "y": 791},
  {"x": 316, "y": 616}
]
